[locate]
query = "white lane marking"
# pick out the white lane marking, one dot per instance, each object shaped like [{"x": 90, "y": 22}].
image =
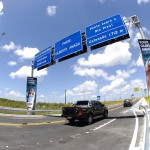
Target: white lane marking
[
  {"x": 144, "y": 133},
  {"x": 87, "y": 132},
  {"x": 76, "y": 135},
  {"x": 134, "y": 138},
  {"x": 104, "y": 124},
  {"x": 124, "y": 112}
]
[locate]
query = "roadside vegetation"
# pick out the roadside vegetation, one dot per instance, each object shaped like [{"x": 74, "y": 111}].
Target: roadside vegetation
[{"x": 41, "y": 106}]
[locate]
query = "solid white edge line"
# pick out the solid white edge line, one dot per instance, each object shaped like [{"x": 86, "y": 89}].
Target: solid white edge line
[
  {"x": 134, "y": 138},
  {"x": 144, "y": 133},
  {"x": 104, "y": 124}
]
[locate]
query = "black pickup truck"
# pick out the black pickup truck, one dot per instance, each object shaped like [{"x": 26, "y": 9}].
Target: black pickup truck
[{"x": 85, "y": 110}]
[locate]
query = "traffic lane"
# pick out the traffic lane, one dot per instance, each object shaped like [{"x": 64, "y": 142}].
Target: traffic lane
[{"x": 66, "y": 136}]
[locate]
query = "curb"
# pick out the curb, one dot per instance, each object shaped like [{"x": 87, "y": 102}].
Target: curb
[{"x": 30, "y": 116}]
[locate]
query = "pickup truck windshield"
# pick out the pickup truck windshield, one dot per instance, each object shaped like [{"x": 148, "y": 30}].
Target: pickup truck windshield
[{"x": 82, "y": 103}]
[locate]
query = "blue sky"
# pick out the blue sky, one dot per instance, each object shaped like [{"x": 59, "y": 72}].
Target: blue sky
[{"x": 30, "y": 26}]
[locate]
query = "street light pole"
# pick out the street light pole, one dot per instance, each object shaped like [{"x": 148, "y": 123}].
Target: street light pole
[
  {"x": 65, "y": 96},
  {"x": 32, "y": 68}
]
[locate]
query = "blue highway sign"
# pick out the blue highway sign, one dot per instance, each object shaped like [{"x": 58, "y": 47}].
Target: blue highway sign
[
  {"x": 105, "y": 30},
  {"x": 42, "y": 58},
  {"x": 68, "y": 45},
  {"x": 104, "y": 25},
  {"x": 106, "y": 36}
]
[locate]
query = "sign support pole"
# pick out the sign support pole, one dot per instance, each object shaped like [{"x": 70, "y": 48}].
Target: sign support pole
[
  {"x": 32, "y": 68},
  {"x": 32, "y": 74},
  {"x": 135, "y": 21}
]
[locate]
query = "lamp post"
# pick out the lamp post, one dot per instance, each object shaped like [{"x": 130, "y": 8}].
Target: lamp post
[
  {"x": 32, "y": 68},
  {"x": 65, "y": 96}
]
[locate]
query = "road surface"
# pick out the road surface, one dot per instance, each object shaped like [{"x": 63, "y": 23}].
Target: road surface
[{"x": 122, "y": 130}]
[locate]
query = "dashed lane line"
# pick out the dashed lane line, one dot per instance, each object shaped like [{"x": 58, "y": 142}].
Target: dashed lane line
[
  {"x": 115, "y": 108},
  {"x": 96, "y": 128}
]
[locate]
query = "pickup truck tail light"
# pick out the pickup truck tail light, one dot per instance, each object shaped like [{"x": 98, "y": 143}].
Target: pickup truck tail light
[{"x": 80, "y": 112}]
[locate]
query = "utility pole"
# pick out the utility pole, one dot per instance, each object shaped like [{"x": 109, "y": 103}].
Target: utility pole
[{"x": 65, "y": 96}]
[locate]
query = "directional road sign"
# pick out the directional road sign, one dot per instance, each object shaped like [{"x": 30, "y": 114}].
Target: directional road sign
[
  {"x": 42, "y": 58},
  {"x": 105, "y": 30},
  {"x": 68, "y": 45},
  {"x": 106, "y": 36}
]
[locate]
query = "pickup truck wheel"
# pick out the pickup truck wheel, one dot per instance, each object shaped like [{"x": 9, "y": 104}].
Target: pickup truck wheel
[
  {"x": 89, "y": 119},
  {"x": 71, "y": 121},
  {"x": 106, "y": 114}
]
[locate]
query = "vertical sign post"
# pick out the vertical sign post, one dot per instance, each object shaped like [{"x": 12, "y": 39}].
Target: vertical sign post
[
  {"x": 31, "y": 93},
  {"x": 145, "y": 50}
]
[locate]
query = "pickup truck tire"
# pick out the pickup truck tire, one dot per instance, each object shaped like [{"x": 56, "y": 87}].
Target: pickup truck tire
[
  {"x": 106, "y": 114},
  {"x": 89, "y": 119},
  {"x": 71, "y": 121}
]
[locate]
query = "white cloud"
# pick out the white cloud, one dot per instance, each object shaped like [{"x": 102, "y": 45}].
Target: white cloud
[
  {"x": 26, "y": 52},
  {"x": 88, "y": 87},
  {"x": 122, "y": 74},
  {"x": 10, "y": 46},
  {"x": 0, "y": 92},
  {"x": 120, "y": 88},
  {"x": 42, "y": 96},
  {"x": 23, "y": 53},
  {"x": 81, "y": 91},
  {"x": 115, "y": 54},
  {"x": 140, "y": 62},
  {"x": 25, "y": 71},
  {"x": 12, "y": 63},
  {"x": 135, "y": 35},
  {"x": 137, "y": 83},
  {"x": 7, "y": 89},
  {"x": 69, "y": 93},
  {"x": 92, "y": 72},
  {"x": 116, "y": 84},
  {"x": 142, "y": 1},
  {"x": 102, "y": 1},
  {"x": 1, "y": 8},
  {"x": 51, "y": 10},
  {"x": 15, "y": 94}
]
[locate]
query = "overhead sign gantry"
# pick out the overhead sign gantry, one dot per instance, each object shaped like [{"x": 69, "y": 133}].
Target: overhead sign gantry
[{"x": 100, "y": 34}]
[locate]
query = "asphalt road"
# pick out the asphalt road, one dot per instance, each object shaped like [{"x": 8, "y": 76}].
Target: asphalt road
[{"x": 117, "y": 132}]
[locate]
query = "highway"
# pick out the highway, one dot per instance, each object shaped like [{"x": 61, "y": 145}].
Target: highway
[{"x": 122, "y": 130}]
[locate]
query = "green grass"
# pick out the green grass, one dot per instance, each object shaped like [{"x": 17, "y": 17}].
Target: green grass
[
  {"x": 39, "y": 105},
  {"x": 107, "y": 103}
]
